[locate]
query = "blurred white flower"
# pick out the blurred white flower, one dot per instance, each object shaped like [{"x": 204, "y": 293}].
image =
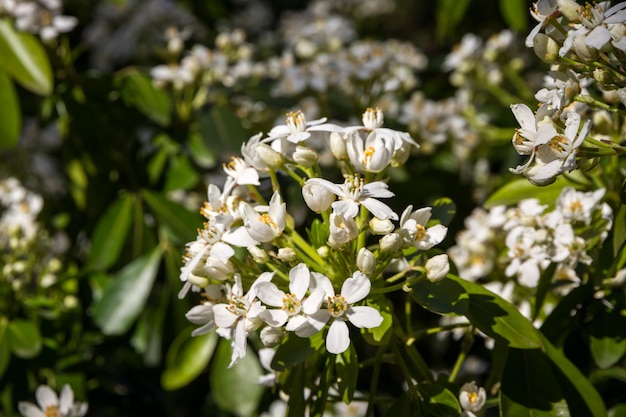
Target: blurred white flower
[{"x": 50, "y": 405}]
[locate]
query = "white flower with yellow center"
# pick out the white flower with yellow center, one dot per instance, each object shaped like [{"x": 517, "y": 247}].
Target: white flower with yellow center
[
  {"x": 414, "y": 231},
  {"x": 266, "y": 226},
  {"x": 354, "y": 192},
  {"x": 50, "y": 405},
  {"x": 296, "y": 129},
  {"x": 472, "y": 397},
  {"x": 241, "y": 171},
  {"x": 340, "y": 308}
]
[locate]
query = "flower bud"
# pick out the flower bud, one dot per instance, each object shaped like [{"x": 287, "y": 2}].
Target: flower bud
[
  {"x": 272, "y": 336},
  {"x": 569, "y": 9},
  {"x": 391, "y": 243},
  {"x": 381, "y": 226},
  {"x": 287, "y": 254},
  {"x": 258, "y": 255},
  {"x": 269, "y": 156},
  {"x": 585, "y": 52},
  {"x": 197, "y": 280},
  {"x": 365, "y": 261},
  {"x": 546, "y": 48},
  {"x": 323, "y": 251},
  {"x": 338, "y": 146},
  {"x": 304, "y": 156},
  {"x": 437, "y": 267},
  {"x": 317, "y": 197}
]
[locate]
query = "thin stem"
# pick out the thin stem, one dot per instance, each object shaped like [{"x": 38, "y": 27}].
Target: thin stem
[
  {"x": 375, "y": 377},
  {"x": 466, "y": 345}
]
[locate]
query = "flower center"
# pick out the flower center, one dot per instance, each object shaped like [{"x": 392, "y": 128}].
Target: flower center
[
  {"x": 291, "y": 304},
  {"x": 52, "y": 411},
  {"x": 472, "y": 397},
  {"x": 337, "y": 305},
  {"x": 353, "y": 187},
  {"x": 373, "y": 118},
  {"x": 265, "y": 218},
  {"x": 420, "y": 232},
  {"x": 367, "y": 155},
  {"x": 296, "y": 121},
  {"x": 560, "y": 145},
  {"x": 575, "y": 207},
  {"x": 238, "y": 305}
]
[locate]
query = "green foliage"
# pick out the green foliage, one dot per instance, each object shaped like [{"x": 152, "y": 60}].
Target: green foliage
[
  {"x": 137, "y": 90},
  {"x": 10, "y": 117},
  {"x": 187, "y": 358},
  {"x": 24, "y": 59}
]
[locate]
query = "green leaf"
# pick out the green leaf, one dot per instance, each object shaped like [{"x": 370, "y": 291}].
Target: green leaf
[
  {"x": 438, "y": 400},
  {"x": 606, "y": 341},
  {"x": 125, "y": 297},
  {"x": 443, "y": 297},
  {"x": 347, "y": 371},
  {"x": 295, "y": 386},
  {"x": 619, "y": 238},
  {"x": 202, "y": 155},
  {"x": 449, "y": 15},
  {"x": 221, "y": 130},
  {"x": 618, "y": 411},
  {"x": 443, "y": 211},
  {"x": 582, "y": 397},
  {"x": 10, "y": 116},
  {"x": 180, "y": 221},
  {"x": 408, "y": 404},
  {"x": 236, "y": 389},
  {"x": 147, "y": 336},
  {"x": 294, "y": 350},
  {"x": 529, "y": 387},
  {"x": 24, "y": 338},
  {"x": 497, "y": 317},
  {"x": 318, "y": 233},
  {"x": 186, "y": 358},
  {"x": 380, "y": 335},
  {"x": 24, "y": 59},
  {"x": 110, "y": 234},
  {"x": 138, "y": 90},
  {"x": 557, "y": 325},
  {"x": 180, "y": 175},
  {"x": 515, "y": 13},
  {"x": 517, "y": 190},
  {"x": 5, "y": 353}
]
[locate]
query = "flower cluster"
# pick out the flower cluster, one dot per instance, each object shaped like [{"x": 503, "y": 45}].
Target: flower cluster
[
  {"x": 534, "y": 237},
  {"x": 253, "y": 268},
  {"x": 49, "y": 404},
  {"x": 585, "y": 45},
  {"x": 42, "y": 17}
]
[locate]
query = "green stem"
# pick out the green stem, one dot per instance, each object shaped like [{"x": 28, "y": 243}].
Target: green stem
[
  {"x": 306, "y": 248},
  {"x": 466, "y": 345},
  {"x": 375, "y": 377}
]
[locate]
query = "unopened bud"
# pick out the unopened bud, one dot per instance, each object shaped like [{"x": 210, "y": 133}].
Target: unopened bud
[
  {"x": 304, "y": 156},
  {"x": 391, "y": 243},
  {"x": 269, "y": 156},
  {"x": 272, "y": 336},
  {"x": 323, "y": 251},
  {"x": 437, "y": 267},
  {"x": 381, "y": 226},
  {"x": 258, "y": 255},
  {"x": 338, "y": 146},
  {"x": 365, "y": 261},
  {"x": 546, "y": 48},
  {"x": 197, "y": 280},
  {"x": 583, "y": 51},
  {"x": 287, "y": 254},
  {"x": 569, "y": 9}
]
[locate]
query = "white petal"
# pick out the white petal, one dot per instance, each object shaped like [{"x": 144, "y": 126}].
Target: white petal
[
  {"x": 46, "y": 397},
  {"x": 66, "y": 399},
  {"x": 379, "y": 209},
  {"x": 224, "y": 317},
  {"x": 364, "y": 316},
  {"x": 299, "y": 279},
  {"x": 200, "y": 314},
  {"x": 270, "y": 294},
  {"x": 29, "y": 410},
  {"x": 338, "y": 338},
  {"x": 239, "y": 237},
  {"x": 524, "y": 116},
  {"x": 598, "y": 37},
  {"x": 274, "y": 317},
  {"x": 356, "y": 288}
]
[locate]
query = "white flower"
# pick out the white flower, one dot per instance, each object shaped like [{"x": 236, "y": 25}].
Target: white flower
[
  {"x": 437, "y": 267},
  {"x": 354, "y": 192},
  {"x": 240, "y": 315},
  {"x": 51, "y": 405},
  {"x": 342, "y": 230},
  {"x": 414, "y": 232},
  {"x": 472, "y": 397},
  {"x": 289, "y": 305},
  {"x": 267, "y": 226},
  {"x": 242, "y": 172},
  {"x": 372, "y": 156},
  {"x": 578, "y": 206},
  {"x": 528, "y": 255},
  {"x": 340, "y": 308},
  {"x": 297, "y": 129},
  {"x": 202, "y": 314},
  {"x": 556, "y": 153}
]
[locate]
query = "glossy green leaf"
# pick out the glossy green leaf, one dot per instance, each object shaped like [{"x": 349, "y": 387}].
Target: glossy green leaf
[
  {"x": 606, "y": 335},
  {"x": 443, "y": 211},
  {"x": 180, "y": 221},
  {"x": 618, "y": 411},
  {"x": 125, "y": 297},
  {"x": 529, "y": 387},
  {"x": 24, "y": 338},
  {"x": 515, "y": 191},
  {"x": 138, "y": 90},
  {"x": 236, "y": 389},
  {"x": 442, "y": 297},
  {"x": 497, "y": 317},
  {"x": 582, "y": 397},
  {"x": 24, "y": 59},
  {"x": 149, "y": 332},
  {"x": 515, "y": 13},
  {"x": 408, "y": 404},
  {"x": 347, "y": 371},
  {"x": 294, "y": 350},
  {"x": 10, "y": 116},
  {"x": 221, "y": 130},
  {"x": 202, "y": 155},
  {"x": 438, "y": 401},
  {"x": 187, "y": 357},
  {"x": 557, "y": 325},
  {"x": 110, "y": 234}
]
